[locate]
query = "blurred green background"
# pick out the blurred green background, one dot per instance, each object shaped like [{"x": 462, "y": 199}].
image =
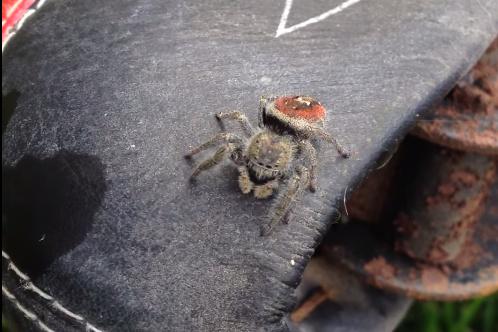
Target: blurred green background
[{"x": 478, "y": 315}]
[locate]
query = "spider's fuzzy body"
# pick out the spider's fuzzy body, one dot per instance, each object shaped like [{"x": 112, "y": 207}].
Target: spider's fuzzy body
[
  {"x": 280, "y": 151},
  {"x": 296, "y": 107}
]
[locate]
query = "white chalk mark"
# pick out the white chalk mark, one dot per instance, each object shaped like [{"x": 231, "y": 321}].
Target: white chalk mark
[
  {"x": 283, "y": 20},
  {"x": 282, "y": 26}
]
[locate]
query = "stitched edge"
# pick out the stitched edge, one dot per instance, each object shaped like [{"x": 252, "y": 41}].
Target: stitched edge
[
  {"x": 21, "y": 21},
  {"x": 27, "y": 284},
  {"x": 28, "y": 314}
]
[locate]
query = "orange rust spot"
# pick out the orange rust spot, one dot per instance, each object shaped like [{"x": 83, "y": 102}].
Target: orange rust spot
[
  {"x": 437, "y": 254},
  {"x": 434, "y": 279},
  {"x": 469, "y": 256},
  {"x": 446, "y": 189},
  {"x": 380, "y": 267},
  {"x": 301, "y": 107},
  {"x": 490, "y": 272},
  {"x": 464, "y": 177}
]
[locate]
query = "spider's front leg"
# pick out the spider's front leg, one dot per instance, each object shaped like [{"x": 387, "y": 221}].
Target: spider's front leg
[
  {"x": 213, "y": 141},
  {"x": 240, "y": 117},
  {"x": 232, "y": 147},
  {"x": 299, "y": 179},
  {"x": 210, "y": 162}
]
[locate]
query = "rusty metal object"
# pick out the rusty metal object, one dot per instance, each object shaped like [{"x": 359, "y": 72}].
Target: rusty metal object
[
  {"x": 331, "y": 298},
  {"x": 334, "y": 283},
  {"x": 446, "y": 200},
  {"x": 373, "y": 197},
  {"x": 362, "y": 249},
  {"x": 308, "y": 306},
  {"x": 442, "y": 241},
  {"x": 467, "y": 120}
]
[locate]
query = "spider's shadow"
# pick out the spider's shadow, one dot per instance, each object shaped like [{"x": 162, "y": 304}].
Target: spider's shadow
[{"x": 49, "y": 206}]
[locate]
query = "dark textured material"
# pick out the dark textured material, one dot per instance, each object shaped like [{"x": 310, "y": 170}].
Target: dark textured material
[{"x": 111, "y": 94}]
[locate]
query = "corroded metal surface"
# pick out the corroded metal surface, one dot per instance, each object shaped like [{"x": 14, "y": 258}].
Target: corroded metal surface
[
  {"x": 440, "y": 241},
  {"x": 468, "y": 118},
  {"x": 473, "y": 273},
  {"x": 446, "y": 200}
]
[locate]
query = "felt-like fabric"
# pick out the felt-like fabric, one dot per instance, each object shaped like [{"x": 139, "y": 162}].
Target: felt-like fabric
[{"x": 107, "y": 96}]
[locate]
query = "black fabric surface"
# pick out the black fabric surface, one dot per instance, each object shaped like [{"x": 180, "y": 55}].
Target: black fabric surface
[{"x": 107, "y": 96}]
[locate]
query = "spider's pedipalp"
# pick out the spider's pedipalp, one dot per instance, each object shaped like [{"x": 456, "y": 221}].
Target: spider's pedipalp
[{"x": 245, "y": 183}]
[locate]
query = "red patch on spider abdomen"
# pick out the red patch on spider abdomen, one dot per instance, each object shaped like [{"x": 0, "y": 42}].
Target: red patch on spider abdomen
[{"x": 305, "y": 108}]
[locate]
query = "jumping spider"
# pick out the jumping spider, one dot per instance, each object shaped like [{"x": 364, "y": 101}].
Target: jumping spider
[{"x": 281, "y": 149}]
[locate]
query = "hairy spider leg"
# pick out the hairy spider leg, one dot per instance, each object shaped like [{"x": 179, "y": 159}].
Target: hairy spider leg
[
  {"x": 240, "y": 117},
  {"x": 213, "y": 141},
  {"x": 210, "y": 162},
  {"x": 330, "y": 139},
  {"x": 299, "y": 179},
  {"x": 309, "y": 152}
]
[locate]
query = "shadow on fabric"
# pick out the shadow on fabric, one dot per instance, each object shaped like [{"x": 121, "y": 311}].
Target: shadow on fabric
[{"x": 49, "y": 206}]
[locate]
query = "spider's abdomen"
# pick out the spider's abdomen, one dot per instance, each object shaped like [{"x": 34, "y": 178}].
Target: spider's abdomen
[
  {"x": 269, "y": 154},
  {"x": 301, "y": 107}
]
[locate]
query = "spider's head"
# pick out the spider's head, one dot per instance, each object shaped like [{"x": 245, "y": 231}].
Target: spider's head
[
  {"x": 269, "y": 154},
  {"x": 290, "y": 113}
]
